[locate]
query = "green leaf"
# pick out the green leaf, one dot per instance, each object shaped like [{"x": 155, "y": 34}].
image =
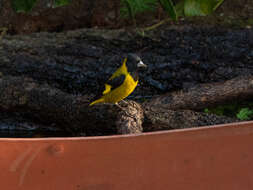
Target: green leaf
[
  {"x": 193, "y": 8},
  {"x": 59, "y": 3},
  {"x": 169, "y": 8},
  {"x": 219, "y": 2},
  {"x": 200, "y": 7},
  {"x": 206, "y": 110},
  {"x": 180, "y": 8},
  {"x": 245, "y": 114},
  {"x": 23, "y": 5},
  {"x": 133, "y": 7}
]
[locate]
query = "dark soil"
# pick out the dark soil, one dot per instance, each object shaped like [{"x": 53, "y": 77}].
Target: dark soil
[{"x": 106, "y": 14}]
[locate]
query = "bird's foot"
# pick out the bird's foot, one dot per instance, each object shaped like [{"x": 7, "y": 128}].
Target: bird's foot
[{"x": 125, "y": 102}]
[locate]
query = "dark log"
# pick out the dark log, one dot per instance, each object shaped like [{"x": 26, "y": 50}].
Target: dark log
[
  {"x": 52, "y": 77},
  {"x": 206, "y": 95},
  {"x": 130, "y": 121},
  {"x": 159, "y": 118},
  {"x": 78, "y": 62},
  {"x": 49, "y": 105}
]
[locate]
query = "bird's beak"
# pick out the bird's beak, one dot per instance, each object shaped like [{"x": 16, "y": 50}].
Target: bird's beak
[{"x": 141, "y": 64}]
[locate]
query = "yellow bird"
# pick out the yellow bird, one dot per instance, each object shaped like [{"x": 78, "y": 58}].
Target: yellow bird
[{"x": 123, "y": 81}]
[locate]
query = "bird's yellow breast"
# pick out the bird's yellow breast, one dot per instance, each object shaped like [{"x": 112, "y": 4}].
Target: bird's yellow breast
[{"x": 122, "y": 91}]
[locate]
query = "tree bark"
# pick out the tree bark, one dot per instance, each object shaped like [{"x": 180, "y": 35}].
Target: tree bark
[
  {"x": 79, "y": 61},
  {"x": 50, "y": 105},
  {"x": 206, "y": 95},
  {"x": 51, "y": 78}
]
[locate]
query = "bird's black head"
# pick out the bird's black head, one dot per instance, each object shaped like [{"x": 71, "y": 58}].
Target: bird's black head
[{"x": 134, "y": 63}]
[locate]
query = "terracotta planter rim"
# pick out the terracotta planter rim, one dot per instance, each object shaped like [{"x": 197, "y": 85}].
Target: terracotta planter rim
[
  {"x": 211, "y": 157},
  {"x": 235, "y": 124}
]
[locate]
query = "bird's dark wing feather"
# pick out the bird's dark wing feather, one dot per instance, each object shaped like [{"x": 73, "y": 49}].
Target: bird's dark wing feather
[{"x": 116, "y": 82}]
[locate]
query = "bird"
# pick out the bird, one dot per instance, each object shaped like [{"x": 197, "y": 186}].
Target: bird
[{"x": 122, "y": 82}]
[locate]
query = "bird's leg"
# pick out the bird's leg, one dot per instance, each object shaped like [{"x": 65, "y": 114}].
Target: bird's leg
[
  {"x": 124, "y": 102},
  {"x": 119, "y": 106}
]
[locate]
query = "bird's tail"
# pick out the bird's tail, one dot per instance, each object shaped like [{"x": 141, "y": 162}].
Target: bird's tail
[{"x": 100, "y": 100}]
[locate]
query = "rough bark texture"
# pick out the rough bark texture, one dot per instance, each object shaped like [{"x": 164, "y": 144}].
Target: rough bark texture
[
  {"x": 80, "y": 61},
  {"x": 131, "y": 120},
  {"x": 50, "y": 78},
  {"x": 49, "y": 105},
  {"x": 206, "y": 95},
  {"x": 163, "y": 119}
]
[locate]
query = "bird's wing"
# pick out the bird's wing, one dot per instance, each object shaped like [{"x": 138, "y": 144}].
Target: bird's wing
[
  {"x": 109, "y": 86},
  {"x": 114, "y": 83},
  {"x": 120, "y": 71}
]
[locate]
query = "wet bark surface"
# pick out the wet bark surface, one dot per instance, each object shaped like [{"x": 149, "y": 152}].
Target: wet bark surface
[
  {"x": 78, "y": 62},
  {"x": 48, "y": 79}
]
